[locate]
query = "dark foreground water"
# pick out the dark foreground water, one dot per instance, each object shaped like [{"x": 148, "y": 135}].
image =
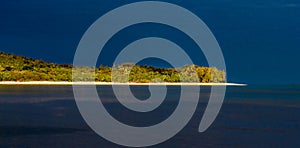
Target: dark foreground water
[{"x": 47, "y": 116}]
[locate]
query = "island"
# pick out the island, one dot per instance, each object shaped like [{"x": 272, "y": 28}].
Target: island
[{"x": 20, "y": 69}]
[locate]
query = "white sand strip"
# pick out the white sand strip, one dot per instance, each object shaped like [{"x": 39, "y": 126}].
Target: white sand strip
[{"x": 111, "y": 83}]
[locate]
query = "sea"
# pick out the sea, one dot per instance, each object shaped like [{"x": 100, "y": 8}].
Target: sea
[{"x": 251, "y": 116}]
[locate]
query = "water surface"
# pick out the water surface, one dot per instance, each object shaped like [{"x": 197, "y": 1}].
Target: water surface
[{"x": 47, "y": 116}]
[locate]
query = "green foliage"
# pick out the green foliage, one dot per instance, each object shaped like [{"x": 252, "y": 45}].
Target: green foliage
[
  {"x": 144, "y": 74},
  {"x": 19, "y": 68}
]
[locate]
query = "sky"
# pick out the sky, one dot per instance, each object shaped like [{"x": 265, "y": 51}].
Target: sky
[{"x": 259, "y": 39}]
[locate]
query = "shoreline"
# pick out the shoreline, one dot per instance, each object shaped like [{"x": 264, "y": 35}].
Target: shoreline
[{"x": 112, "y": 83}]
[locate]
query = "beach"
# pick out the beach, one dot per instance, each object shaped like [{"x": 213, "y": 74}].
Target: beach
[{"x": 115, "y": 83}]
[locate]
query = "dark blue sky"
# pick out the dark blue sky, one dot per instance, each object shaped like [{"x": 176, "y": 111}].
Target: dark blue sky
[{"x": 259, "y": 39}]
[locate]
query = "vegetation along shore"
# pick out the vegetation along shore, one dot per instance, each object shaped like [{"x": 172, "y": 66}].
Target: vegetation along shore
[{"x": 24, "y": 69}]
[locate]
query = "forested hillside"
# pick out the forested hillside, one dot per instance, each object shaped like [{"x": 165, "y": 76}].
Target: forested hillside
[{"x": 20, "y": 68}]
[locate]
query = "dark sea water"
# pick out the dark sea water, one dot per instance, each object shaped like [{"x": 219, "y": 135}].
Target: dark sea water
[{"x": 252, "y": 116}]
